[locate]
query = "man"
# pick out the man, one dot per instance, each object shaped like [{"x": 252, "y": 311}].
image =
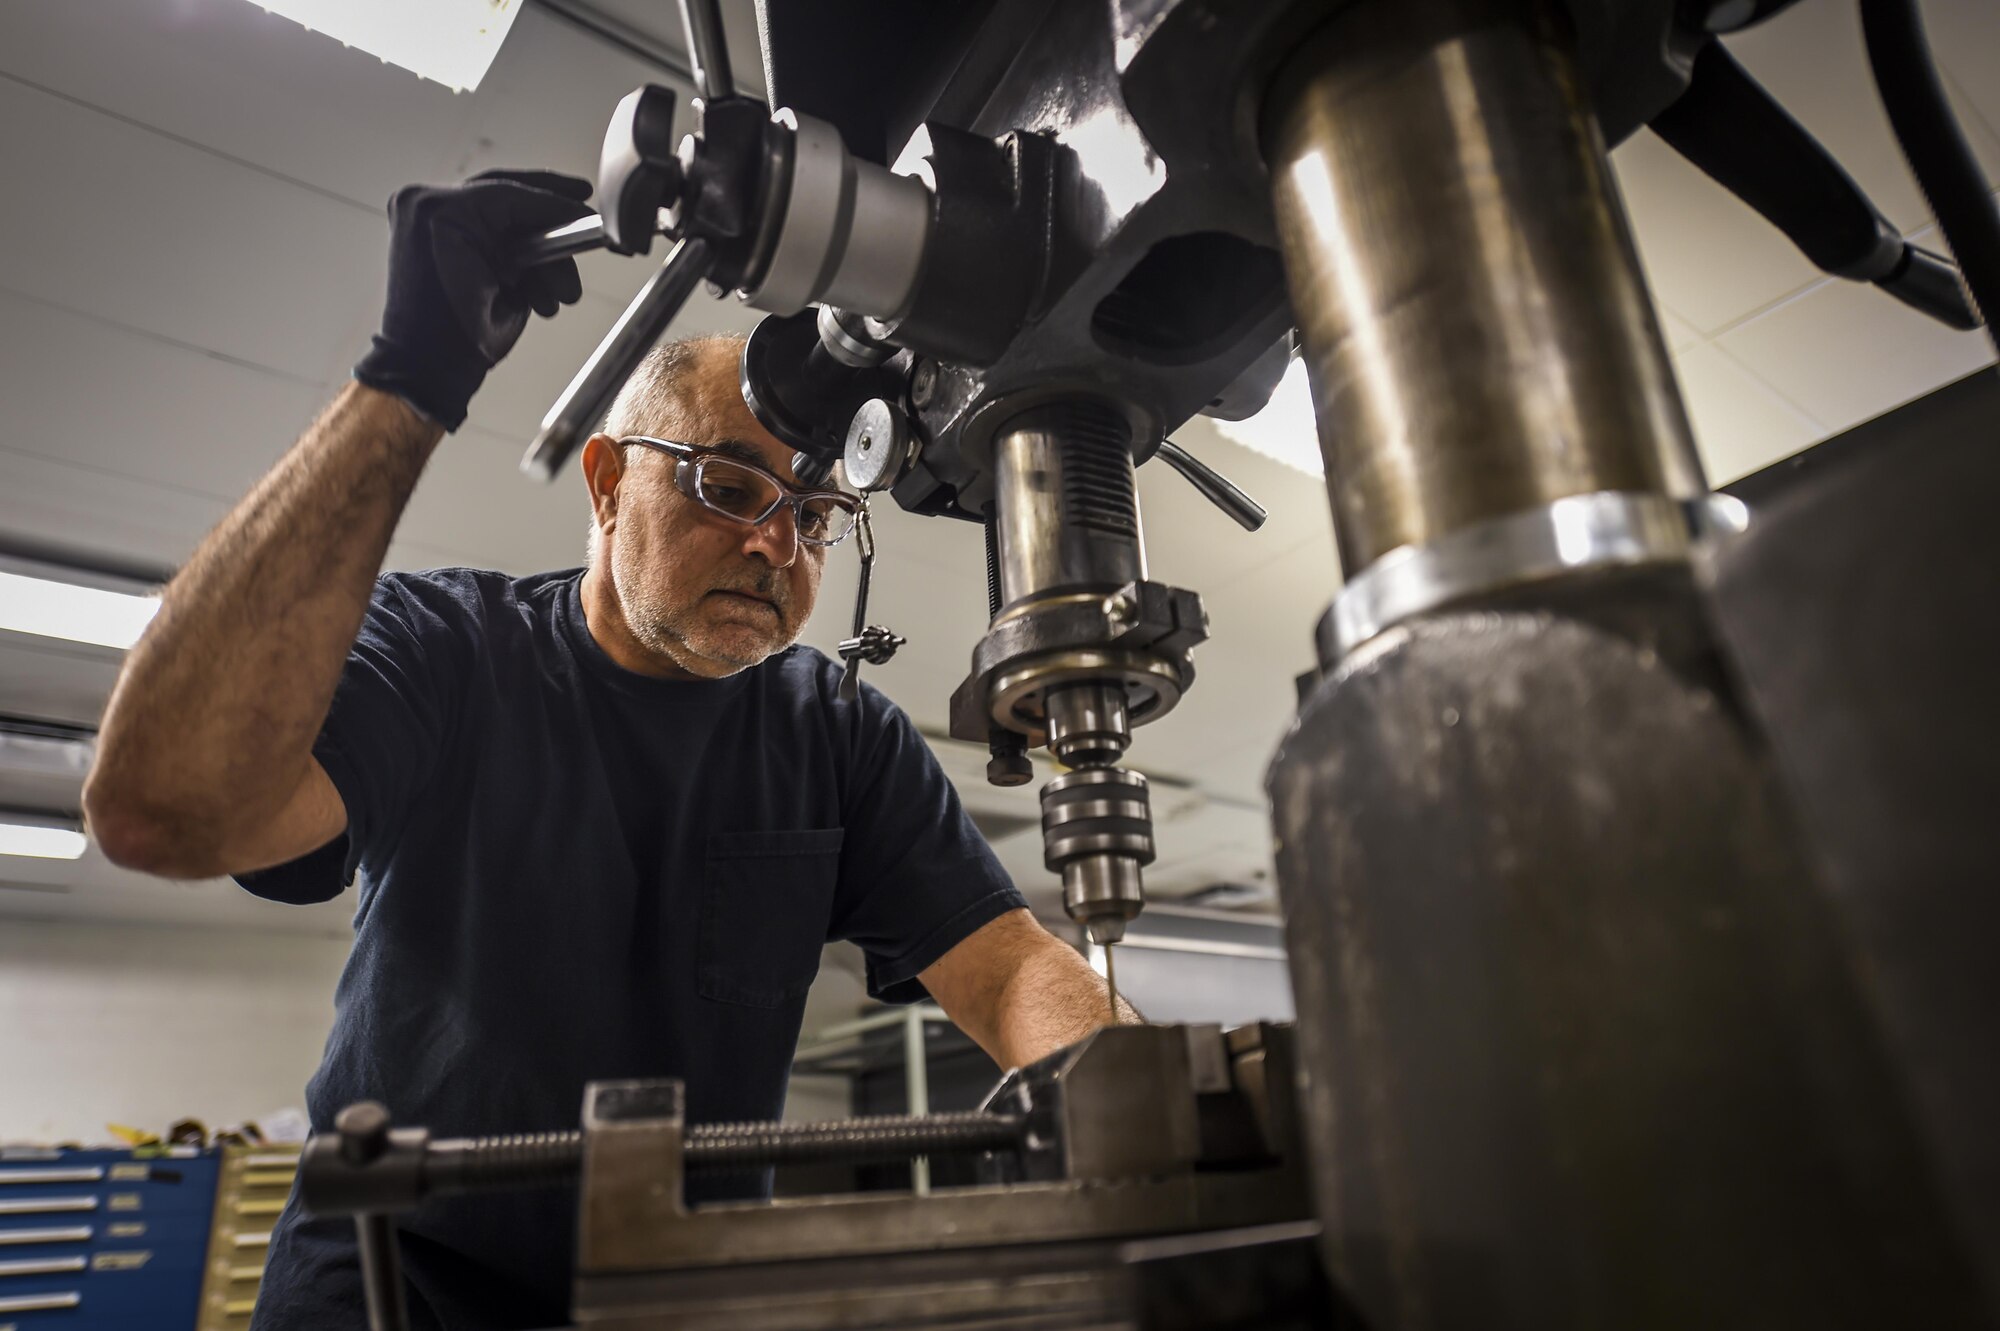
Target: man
[{"x": 603, "y": 821}]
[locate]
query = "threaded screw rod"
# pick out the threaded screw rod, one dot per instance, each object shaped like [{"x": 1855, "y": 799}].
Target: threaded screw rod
[{"x": 482, "y": 1164}]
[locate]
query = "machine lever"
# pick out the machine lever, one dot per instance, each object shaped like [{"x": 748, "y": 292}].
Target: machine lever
[
  {"x": 708, "y": 49},
  {"x": 1214, "y": 486},
  {"x": 616, "y": 357},
  {"x": 565, "y": 242}
]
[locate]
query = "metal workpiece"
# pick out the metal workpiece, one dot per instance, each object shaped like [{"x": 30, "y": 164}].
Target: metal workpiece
[
  {"x": 1475, "y": 325},
  {"x": 1120, "y": 1103}
]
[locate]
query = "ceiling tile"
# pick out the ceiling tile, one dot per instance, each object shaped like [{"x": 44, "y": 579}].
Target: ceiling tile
[
  {"x": 1965, "y": 35},
  {"x": 661, "y": 23},
  {"x": 1740, "y": 425},
  {"x": 111, "y": 220},
  {"x": 520, "y": 391},
  {"x": 1680, "y": 334},
  {"x": 473, "y": 499},
  {"x": 1260, "y": 640},
  {"x": 245, "y": 83},
  {"x": 92, "y": 888},
  {"x": 1708, "y": 257},
  {"x": 1811, "y": 59},
  {"x": 1846, "y": 352},
  {"x": 67, "y": 504},
  {"x": 47, "y": 679},
  {"x": 166, "y": 413},
  {"x": 545, "y": 104},
  {"x": 1191, "y": 543}
]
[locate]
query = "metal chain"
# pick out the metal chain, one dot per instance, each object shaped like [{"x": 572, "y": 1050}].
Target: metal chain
[{"x": 871, "y": 642}]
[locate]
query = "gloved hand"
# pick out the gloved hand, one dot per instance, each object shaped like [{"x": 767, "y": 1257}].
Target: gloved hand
[{"x": 455, "y": 304}]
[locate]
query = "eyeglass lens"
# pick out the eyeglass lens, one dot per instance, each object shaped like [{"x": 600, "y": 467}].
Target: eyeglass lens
[{"x": 750, "y": 496}]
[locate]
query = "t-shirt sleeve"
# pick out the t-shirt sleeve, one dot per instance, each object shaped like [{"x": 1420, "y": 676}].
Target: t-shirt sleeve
[
  {"x": 916, "y": 877},
  {"x": 396, "y": 702}
]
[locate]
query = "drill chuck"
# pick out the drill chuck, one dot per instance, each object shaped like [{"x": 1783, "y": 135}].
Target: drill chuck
[{"x": 1097, "y": 832}]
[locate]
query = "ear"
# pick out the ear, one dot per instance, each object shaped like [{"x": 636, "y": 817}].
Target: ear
[{"x": 603, "y": 469}]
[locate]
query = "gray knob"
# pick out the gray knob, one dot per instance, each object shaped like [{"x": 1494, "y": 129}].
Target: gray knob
[
  {"x": 878, "y": 446},
  {"x": 364, "y": 1131}
]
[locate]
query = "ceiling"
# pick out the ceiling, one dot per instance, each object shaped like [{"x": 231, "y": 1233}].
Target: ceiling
[{"x": 192, "y": 251}]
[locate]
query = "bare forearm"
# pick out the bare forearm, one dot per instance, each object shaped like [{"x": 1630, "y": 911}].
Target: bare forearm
[
  {"x": 214, "y": 716},
  {"x": 1053, "y": 999},
  {"x": 1020, "y": 991}
]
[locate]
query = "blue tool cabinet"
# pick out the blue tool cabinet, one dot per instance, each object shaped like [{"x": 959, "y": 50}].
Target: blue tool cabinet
[{"x": 104, "y": 1240}]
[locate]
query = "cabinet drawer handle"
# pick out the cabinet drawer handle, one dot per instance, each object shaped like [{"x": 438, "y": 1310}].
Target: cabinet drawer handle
[
  {"x": 45, "y": 1205},
  {"x": 36, "y": 1303},
  {"x": 78, "y": 1174},
  {"x": 67, "y": 1234},
  {"x": 41, "y": 1266}
]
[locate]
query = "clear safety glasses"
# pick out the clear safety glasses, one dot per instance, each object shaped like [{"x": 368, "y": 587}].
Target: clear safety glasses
[{"x": 750, "y": 495}]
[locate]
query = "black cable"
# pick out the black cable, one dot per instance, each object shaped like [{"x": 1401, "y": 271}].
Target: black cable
[
  {"x": 1726, "y": 124},
  {"x": 1906, "y": 75}
]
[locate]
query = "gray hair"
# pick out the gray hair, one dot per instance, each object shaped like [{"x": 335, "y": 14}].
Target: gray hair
[{"x": 656, "y": 400}]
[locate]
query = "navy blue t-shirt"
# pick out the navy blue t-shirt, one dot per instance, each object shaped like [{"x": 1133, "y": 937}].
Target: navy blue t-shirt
[{"x": 570, "y": 872}]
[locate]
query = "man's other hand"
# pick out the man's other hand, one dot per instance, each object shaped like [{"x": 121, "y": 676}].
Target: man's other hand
[{"x": 456, "y": 304}]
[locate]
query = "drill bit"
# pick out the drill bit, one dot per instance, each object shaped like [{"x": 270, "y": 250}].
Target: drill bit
[{"x": 1111, "y": 983}]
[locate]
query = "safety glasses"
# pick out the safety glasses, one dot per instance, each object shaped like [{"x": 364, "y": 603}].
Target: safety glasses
[{"x": 750, "y": 495}]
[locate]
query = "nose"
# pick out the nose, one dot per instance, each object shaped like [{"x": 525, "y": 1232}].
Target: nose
[{"x": 775, "y": 540}]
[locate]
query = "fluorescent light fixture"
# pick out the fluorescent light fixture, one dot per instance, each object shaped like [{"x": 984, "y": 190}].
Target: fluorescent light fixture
[
  {"x": 39, "y": 837},
  {"x": 66, "y": 610},
  {"x": 450, "y": 41},
  {"x": 1284, "y": 429}
]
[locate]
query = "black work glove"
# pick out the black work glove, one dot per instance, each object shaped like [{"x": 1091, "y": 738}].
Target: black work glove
[{"x": 456, "y": 305}]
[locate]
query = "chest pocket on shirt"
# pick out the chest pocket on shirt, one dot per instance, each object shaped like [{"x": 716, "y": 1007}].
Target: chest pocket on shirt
[{"x": 766, "y": 901}]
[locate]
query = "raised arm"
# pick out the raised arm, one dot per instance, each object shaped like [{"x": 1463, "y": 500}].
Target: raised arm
[{"x": 204, "y": 759}]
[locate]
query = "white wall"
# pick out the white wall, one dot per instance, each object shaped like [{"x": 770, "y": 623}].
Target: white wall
[{"x": 144, "y": 1025}]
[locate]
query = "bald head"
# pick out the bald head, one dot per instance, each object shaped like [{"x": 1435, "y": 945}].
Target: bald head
[{"x": 670, "y": 394}]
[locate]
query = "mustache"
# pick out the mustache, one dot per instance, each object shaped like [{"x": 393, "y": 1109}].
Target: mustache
[{"x": 766, "y": 584}]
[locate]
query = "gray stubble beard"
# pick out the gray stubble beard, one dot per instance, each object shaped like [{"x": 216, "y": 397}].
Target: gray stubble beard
[{"x": 658, "y": 626}]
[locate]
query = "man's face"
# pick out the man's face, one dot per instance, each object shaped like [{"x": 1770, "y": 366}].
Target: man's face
[{"x": 711, "y": 595}]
